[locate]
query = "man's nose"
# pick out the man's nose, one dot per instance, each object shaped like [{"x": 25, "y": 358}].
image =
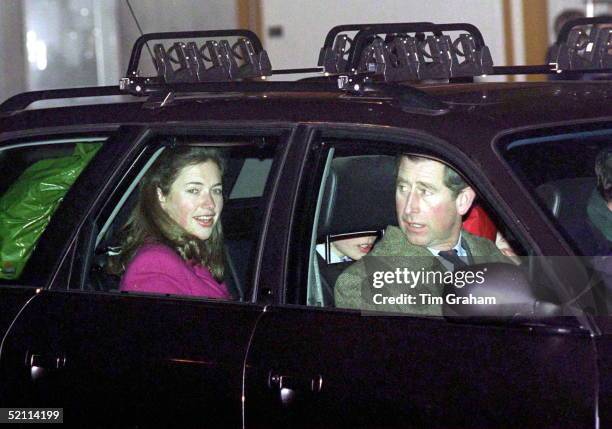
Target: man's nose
[{"x": 412, "y": 203}]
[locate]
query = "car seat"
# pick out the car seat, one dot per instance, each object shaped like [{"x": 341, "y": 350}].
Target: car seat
[
  {"x": 567, "y": 201},
  {"x": 358, "y": 196}
]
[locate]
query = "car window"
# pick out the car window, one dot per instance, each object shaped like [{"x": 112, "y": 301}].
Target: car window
[
  {"x": 35, "y": 178},
  {"x": 559, "y": 169},
  {"x": 185, "y": 221},
  {"x": 252, "y": 178},
  {"x": 364, "y": 243}
]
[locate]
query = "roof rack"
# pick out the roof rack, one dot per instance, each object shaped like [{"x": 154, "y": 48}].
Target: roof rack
[
  {"x": 579, "y": 48},
  {"x": 368, "y": 65},
  {"x": 178, "y": 59},
  {"x": 390, "y": 51},
  {"x": 21, "y": 101},
  {"x": 407, "y": 98}
]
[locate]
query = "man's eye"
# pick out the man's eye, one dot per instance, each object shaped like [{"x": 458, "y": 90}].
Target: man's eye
[
  {"x": 426, "y": 192},
  {"x": 218, "y": 191},
  {"x": 402, "y": 188},
  {"x": 194, "y": 191}
]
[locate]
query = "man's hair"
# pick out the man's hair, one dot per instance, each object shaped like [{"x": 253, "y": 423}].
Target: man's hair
[
  {"x": 149, "y": 223},
  {"x": 452, "y": 179},
  {"x": 603, "y": 170}
]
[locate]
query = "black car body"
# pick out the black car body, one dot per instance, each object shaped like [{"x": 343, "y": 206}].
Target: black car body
[{"x": 271, "y": 357}]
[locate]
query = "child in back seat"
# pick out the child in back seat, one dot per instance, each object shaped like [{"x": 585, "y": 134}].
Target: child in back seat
[{"x": 346, "y": 249}]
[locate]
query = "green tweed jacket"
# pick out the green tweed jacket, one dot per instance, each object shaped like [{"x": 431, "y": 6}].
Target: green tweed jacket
[{"x": 415, "y": 272}]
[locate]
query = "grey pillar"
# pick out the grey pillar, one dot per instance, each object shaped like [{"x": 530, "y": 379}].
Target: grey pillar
[{"x": 12, "y": 49}]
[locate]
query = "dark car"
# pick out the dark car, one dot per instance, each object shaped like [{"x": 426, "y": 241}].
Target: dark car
[{"x": 306, "y": 161}]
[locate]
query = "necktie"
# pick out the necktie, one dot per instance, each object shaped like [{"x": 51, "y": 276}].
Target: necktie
[{"x": 452, "y": 257}]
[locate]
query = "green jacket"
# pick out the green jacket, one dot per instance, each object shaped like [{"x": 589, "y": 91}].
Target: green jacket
[{"x": 355, "y": 288}]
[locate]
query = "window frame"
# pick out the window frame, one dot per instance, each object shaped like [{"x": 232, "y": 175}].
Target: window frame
[
  {"x": 503, "y": 143},
  {"x": 45, "y": 256},
  {"x": 141, "y": 150},
  {"x": 382, "y": 141}
]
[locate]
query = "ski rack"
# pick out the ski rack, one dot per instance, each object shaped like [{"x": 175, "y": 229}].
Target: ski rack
[
  {"x": 399, "y": 56},
  {"x": 357, "y": 67},
  {"x": 184, "y": 61},
  {"x": 581, "y": 49}
]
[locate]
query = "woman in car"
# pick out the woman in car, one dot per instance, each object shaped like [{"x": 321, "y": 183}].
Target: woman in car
[{"x": 174, "y": 242}]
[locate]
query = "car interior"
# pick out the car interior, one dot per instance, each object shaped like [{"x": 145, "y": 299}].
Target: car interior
[
  {"x": 354, "y": 204},
  {"x": 243, "y": 199},
  {"x": 563, "y": 189},
  {"x": 565, "y": 186},
  {"x": 567, "y": 200},
  {"x": 35, "y": 178},
  {"x": 14, "y": 161}
]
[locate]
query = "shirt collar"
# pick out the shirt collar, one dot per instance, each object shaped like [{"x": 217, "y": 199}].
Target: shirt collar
[
  {"x": 458, "y": 247},
  {"x": 334, "y": 257}
]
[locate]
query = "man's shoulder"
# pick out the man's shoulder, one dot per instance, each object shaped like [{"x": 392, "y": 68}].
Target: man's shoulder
[
  {"x": 476, "y": 240},
  {"x": 483, "y": 247},
  {"x": 395, "y": 243},
  {"x": 393, "y": 250},
  {"x": 355, "y": 270}
]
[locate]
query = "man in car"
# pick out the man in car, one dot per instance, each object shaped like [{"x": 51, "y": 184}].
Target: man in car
[
  {"x": 599, "y": 208},
  {"x": 407, "y": 270},
  {"x": 599, "y": 214}
]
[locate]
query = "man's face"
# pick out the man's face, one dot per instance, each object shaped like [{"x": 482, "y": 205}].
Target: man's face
[{"x": 426, "y": 210}]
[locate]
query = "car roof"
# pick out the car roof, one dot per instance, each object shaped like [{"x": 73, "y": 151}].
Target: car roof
[{"x": 482, "y": 106}]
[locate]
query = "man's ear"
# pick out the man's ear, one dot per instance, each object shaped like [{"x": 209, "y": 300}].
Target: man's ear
[
  {"x": 464, "y": 200},
  {"x": 160, "y": 197}
]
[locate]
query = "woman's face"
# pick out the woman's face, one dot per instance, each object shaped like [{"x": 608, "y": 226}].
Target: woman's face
[{"x": 195, "y": 199}]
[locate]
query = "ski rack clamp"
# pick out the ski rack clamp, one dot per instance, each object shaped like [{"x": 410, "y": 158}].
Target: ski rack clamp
[
  {"x": 400, "y": 57},
  {"x": 578, "y": 49},
  {"x": 216, "y": 60}
]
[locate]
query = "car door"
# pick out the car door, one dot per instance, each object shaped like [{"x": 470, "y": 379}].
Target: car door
[
  {"x": 320, "y": 366},
  {"x": 126, "y": 358},
  {"x": 38, "y": 169}
]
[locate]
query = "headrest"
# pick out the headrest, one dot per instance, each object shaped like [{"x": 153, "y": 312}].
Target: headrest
[
  {"x": 567, "y": 198},
  {"x": 359, "y": 195},
  {"x": 550, "y": 196}
]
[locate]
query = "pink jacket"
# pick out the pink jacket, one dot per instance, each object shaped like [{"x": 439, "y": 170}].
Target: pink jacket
[{"x": 157, "y": 268}]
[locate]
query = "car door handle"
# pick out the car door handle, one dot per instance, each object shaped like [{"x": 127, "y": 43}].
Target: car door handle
[
  {"x": 40, "y": 363},
  {"x": 290, "y": 385}
]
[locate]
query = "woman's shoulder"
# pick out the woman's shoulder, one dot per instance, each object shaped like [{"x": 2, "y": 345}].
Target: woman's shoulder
[
  {"x": 158, "y": 268},
  {"x": 158, "y": 256},
  {"x": 154, "y": 263}
]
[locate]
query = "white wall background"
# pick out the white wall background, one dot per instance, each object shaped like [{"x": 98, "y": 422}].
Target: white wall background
[
  {"x": 171, "y": 15},
  {"x": 12, "y": 49},
  {"x": 108, "y": 27},
  {"x": 306, "y": 22},
  {"x": 555, "y": 7}
]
